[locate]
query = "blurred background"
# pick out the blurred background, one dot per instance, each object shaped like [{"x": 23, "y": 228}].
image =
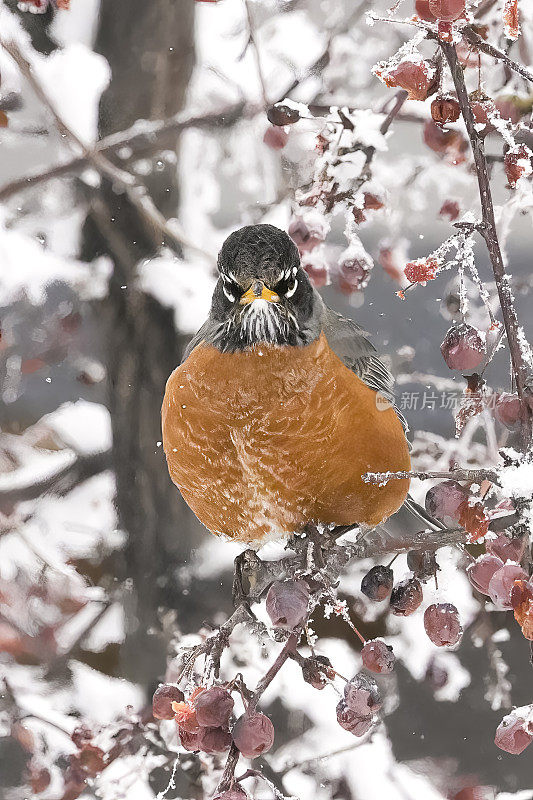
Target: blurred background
[{"x": 101, "y": 562}]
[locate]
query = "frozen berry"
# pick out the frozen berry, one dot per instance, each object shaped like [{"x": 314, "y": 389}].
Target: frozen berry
[
  {"x": 378, "y": 656},
  {"x": 501, "y": 584},
  {"x": 317, "y": 270},
  {"x": 350, "y": 721},
  {"x": 509, "y": 410},
  {"x": 189, "y": 741},
  {"x": 354, "y": 274},
  {"x": 511, "y": 735},
  {"x": 522, "y": 603},
  {"x": 517, "y": 163},
  {"x": 307, "y": 232},
  {"x": 481, "y": 571},
  {"x": 507, "y": 548},
  {"x": 406, "y": 597},
  {"x": 286, "y": 603},
  {"x": 281, "y": 115},
  {"x": 417, "y": 78},
  {"x": 377, "y": 583},
  {"x": 423, "y": 563},
  {"x": 474, "y": 518},
  {"x": 214, "y": 707},
  {"x": 445, "y": 109},
  {"x": 91, "y": 760},
  {"x": 236, "y": 793},
  {"x": 162, "y": 700},
  {"x": 362, "y": 695},
  {"x": 442, "y": 624},
  {"x": 253, "y": 734},
  {"x": 213, "y": 739},
  {"x": 39, "y": 778},
  {"x": 316, "y": 671},
  {"x": 422, "y": 270},
  {"x": 422, "y": 9},
  {"x": 449, "y": 143},
  {"x": 275, "y": 138},
  {"x": 447, "y": 10},
  {"x": 185, "y": 716},
  {"x": 463, "y": 347}
]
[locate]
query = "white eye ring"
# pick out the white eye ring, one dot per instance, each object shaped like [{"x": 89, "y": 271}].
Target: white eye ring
[
  {"x": 229, "y": 295},
  {"x": 290, "y": 292}
]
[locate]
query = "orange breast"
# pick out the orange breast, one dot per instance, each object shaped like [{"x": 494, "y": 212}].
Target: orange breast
[{"x": 263, "y": 441}]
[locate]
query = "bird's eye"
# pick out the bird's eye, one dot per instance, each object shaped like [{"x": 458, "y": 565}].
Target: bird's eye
[{"x": 288, "y": 284}]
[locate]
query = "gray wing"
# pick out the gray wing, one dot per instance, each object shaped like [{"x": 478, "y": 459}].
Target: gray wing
[
  {"x": 207, "y": 332},
  {"x": 350, "y": 343}
]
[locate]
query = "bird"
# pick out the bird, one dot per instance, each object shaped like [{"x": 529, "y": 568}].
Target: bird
[{"x": 280, "y": 405}]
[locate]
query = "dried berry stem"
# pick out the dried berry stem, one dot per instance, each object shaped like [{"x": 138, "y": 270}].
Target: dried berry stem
[{"x": 489, "y": 233}]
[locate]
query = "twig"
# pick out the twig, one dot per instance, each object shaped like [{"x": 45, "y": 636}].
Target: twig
[
  {"x": 473, "y": 475},
  {"x": 288, "y": 648},
  {"x": 490, "y": 235},
  {"x": 476, "y": 40}
]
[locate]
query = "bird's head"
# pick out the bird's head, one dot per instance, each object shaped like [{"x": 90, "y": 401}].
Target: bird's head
[{"x": 263, "y": 295}]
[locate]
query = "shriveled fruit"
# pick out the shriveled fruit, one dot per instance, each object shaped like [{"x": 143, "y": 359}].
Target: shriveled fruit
[
  {"x": 235, "y": 793},
  {"x": 307, "y": 232},
  {"x": 442, "y": 624},
  {"x": 508, "y": 548},
  {"x": 286, "y": 603},
  {"x": 501, "y": 584},
  {"x": 406, "y": 597},
  {"x": 463, "y": 347},
  {"x": 447, "y": 10},
  {"x": 511, "y": 735},
  {"x": 281, "y": 115},
  {"x": 517, "y": 164},
  {"x": 481, "y": 571},
  {"x": 417, "y": 78},
  {"x": 362, "y": 695},
  {"x": 474, "y": 518},
  {"x": 189, "y": 741},
  {"x": 354, "y": 274},
  {"x": 350, "y": 721},
  {"x": 253, "y": 734},
  {"x": 522, "y": 603},
  {"x": 447, "y": 142},
  {"x": 213, "y": 739},
  {"x": 378, "y": 656},
  {"x": 423, "y": 563},
  {"x": 214, "y": 707},
  {"x": 509, "y": 410},
  {"x": 377, "y": 583},
  {"x": 445, "y": 109},
  {"x": 163, "y": 698},
  {"x": 444, "y": 500}
]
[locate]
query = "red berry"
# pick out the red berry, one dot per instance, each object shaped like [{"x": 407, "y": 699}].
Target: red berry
[
  {"x": 442, "y": 624},
  {"x": 317, "y": 670},
  {"x": 362, "y": 696},
  {"x": 517, "y": 163},
  {"x": 474, "y": 519},
  {"x": 317, "y": 270},
  {"x": 213, "y": 740},
  {"x": 91, "y": 760},
  {"x": 522, "y": 603},
  {"x": 354, "y": 274},
  {"x": 463, "y": 347},
  {"x": 308, "y": 231},
  {"x": 417, "y": 78},
  {"x": 275, "y": 138},
  {"x": 422, "y": 270},
  {"x": 39, "y": 778},
  {"x": 236, "y": 793},
  {"x": 281, "y": 115},
  {"x": 185, "y": 716},
  {"x": 378, "y": 656},
  {"x": 506, "y": 547},
  {"x": 481, "y": 571},
  {"x": 406, "y": 597},
  {"x": 253, "y": 734},
  {"x": 371, "y": 202},
  {"x": 447, "y": 10},
  {"x": 163, "y": 698},
  {"x": 214, "y": 707},
  {"x": 450, "y": 209},
  {"x": 449, "y": 143},
  {"x": 377, "y": 583},
  {"x": 509, "y": 108},
  {"x": 189, "y": 741},
  {"x": 286, "y": 603},
  {"x": 502, "y": 582},
  {"x": 422, "y": 9},
  {"x": 509, "y": 410},
  {"x": 81, "y": 736},
  {"x": 511, "y": 735},
  {"x": 351, "y": 722},
  {"x": 445, "y": 109},
  {"x": 423, "y": 563}
]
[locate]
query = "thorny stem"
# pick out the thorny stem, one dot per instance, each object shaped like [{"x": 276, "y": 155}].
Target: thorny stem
[{"x": 490, "y": 235}]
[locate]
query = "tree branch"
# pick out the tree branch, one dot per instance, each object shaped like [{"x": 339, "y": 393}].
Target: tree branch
[
  {"x": 476, "y": 40},
  {"x": 474, "y": 475}
]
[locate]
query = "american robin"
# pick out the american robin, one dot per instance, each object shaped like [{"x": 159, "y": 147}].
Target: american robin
[{"x": 280, "y": 405}]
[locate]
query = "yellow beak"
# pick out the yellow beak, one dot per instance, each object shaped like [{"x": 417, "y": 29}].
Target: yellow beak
[{"x": 254, "y": 294}]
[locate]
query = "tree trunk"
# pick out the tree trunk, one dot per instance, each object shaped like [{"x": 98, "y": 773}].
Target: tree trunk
[{"x": 149, "y": 47}]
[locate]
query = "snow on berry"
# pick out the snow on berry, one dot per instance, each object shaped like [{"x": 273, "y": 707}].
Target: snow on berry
[
  {"x": 442, "y": 624},
  {"x": 406, "y": 597},
  {"x": 418, "y": 78},
  {"x": 378, "y": 656},
  {"x": 517, "y": 164},
  {"x": 163, "y": 698},
  {"x": 511, "y": 19},
  {"x": 481, "y": 571},
  {"x": 286, "y": 603},
  {"x": 464, "y": 347},
  {"x": 513, "y": 734},
  {"x": 422, "y": 270}
]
